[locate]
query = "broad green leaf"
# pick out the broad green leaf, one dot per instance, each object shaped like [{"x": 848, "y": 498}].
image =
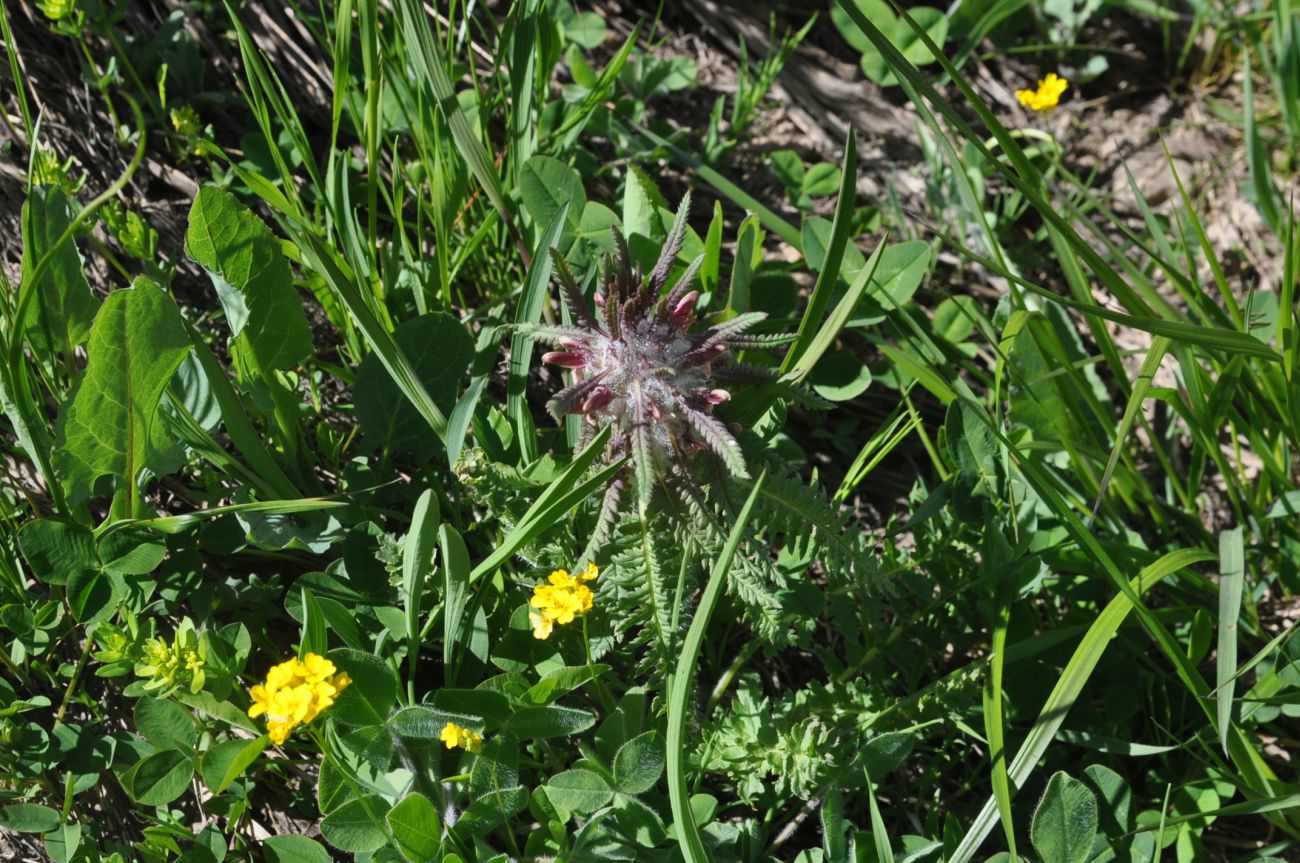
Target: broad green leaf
[
  {"x": 55, "y": 549},
  {"x": 128, "y": 553},
  {"x": 840, "y": 376},
  {"x": 884, "y": 752},
  {"x": 314, "y": 638},
  {"x": 492, "y": 706},
  {"x": 164, "y": 724},
  {"x": 1114, "y": 799},
  {"x": 901, "y": 269},
  {"x": 547, "y": 184},
  {"x": 160, "y": 778},
  {"x": 60, "y": 312},
  {"x": 439, "y": 350},
  {"x": 559, "y": 681},
  {"x": 595, "y": 225},
  {"x": 110, "y": 425},
  {"x": 876, "y": 10},
  {"x": 227, "y": 761},
  {"x": 356, "y": 826},
  {"x": 585, "y": 29},
  {"x": 93, "y": 594},
  {"x": 551, "y": 720},
  {"x": 373, "y": 744},
  {"x": 639, "y": 763},
  {"x": 641, "y": 203},
  {"x": 252, "y": 278},
  {"x": 1065, "y": 822},
  {"x": 416, "y": 827},
  {"x": 291, "y": 848},
  {"x": 29, "y": 818},
  {"x": 578, "y": 791},
  {"x": 62, "y": 842},
  {"x": 426, "y": 723},
  {"x": 369, "y": 698},
  {"x": 485, "y": 813}
]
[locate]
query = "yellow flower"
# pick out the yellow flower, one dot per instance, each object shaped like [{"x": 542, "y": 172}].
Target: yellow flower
[
  {"x": 295, "y": 693},
  {"x": 542, "y": 625},
  {"x": 1047, "y": 96},
  {"x": 454, "y": 735},
  {"x": 560, "y": 600}
]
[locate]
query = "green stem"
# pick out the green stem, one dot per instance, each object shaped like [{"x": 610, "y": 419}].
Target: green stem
[{"x": 72, "y": 684}]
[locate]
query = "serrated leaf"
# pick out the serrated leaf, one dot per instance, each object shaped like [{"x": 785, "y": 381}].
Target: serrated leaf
[
  {"x": 109, "y": 425},
  {"x": 252, "y": 278}
]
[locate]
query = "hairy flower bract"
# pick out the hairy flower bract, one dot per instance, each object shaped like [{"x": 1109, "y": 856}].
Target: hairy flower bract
[{"x": 642, "y": 367}]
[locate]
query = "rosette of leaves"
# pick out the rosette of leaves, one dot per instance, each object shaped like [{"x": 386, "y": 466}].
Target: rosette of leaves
[{"x": 643, "y": 363}]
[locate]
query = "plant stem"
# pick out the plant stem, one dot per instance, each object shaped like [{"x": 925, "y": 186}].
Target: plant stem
[{"x": 72, "y": 684}]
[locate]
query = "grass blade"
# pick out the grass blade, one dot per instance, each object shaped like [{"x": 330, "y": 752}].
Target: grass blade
[
  {"x": 1069, "y": 686},
  {"x": 830, "y": 272},
  {"x": 1232, "y": 572},
  {"x": 529, "y": 311},
  {"x": 688, "y": 833}
]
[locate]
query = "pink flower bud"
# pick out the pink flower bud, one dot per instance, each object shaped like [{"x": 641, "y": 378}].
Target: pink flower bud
[
  {"x": 565, "y": 359},
  {"x": 685, "y": 305},
  {"x": 570, "y": 344},
  {"x": 599, "y": 299},
  {"x": 597, "y": 400},
  {"x": 717, "y": 397}
]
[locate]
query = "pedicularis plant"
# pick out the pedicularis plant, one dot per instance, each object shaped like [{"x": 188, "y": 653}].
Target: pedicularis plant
[{"x": 295, "y": 566}]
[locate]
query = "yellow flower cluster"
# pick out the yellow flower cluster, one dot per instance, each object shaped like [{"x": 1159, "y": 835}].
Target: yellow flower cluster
[
  {"x": 454, "y": 735},
  {"x": 295, "y": 693},
  {"x": 560, "y": 600},
  {"x": 186, "y": 122},
  {"x": 1047, "y": 96}
]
